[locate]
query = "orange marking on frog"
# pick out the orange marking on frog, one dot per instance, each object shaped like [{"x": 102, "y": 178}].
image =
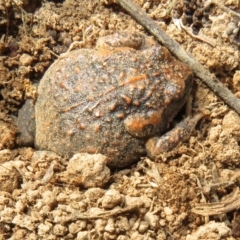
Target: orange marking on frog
[
  {"x": 136, "y": 124},
  {"x": 107, "y": 52},
  {"x": 133, "y": 79}
]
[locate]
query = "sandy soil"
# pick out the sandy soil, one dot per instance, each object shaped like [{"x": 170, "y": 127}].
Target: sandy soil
[{"x": 43, "y": 196}]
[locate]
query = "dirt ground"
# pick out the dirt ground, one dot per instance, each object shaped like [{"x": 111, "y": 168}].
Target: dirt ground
[{"x": 43, "y": 196}]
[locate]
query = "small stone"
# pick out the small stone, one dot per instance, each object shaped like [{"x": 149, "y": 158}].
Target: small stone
[
  {"x": 122, "y": 224},
  {"x": 110, "y": 225},
  {"x": 152, "y": 219},
  {"x": 122, "y": 237},
  {"x": 77, "y": 226},
  {"x": 60, "y": 230},
  {"x": 49, "y": 198},
  {"x": 10, "y": 177},
  {"x": 100, "y": 225},
  {"x": 44, "y": 228},
  {"x": 162, "y": 222},
  {"x": 83, "y": 235},
  {"x": 26, "y": 60},
  {"x": 111, "y": 199},
  {"x": 168, "y": 211},
  {"x": 88, "y": 170},
  {"x": 170, "y": 218},
  {"x": 143, "y": 227}
]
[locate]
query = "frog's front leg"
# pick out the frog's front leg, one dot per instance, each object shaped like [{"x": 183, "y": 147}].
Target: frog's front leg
[{"x": 158, "y": 145}]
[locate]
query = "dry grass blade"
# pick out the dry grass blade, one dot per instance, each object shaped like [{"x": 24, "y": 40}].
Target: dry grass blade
[
  {"x": 103, "y": 213},
  {"x": 209, "y": 209}
]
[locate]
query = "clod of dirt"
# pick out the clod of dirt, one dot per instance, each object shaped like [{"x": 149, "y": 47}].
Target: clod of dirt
[
  {"x": 5, "y": 155},
  {"x": 211, "y": 230},
  {"x": 236, "y": 83},
  {"x": 88, "y": 170},
  {"x": 231, "y": 125},
  {"x": 152, "y": 220},
  {"x": 41, "y": 163},
  {"x": 9, "y": 177},
  {"x": 7, "y": 135},
  {"x": 111, "y": 199}
]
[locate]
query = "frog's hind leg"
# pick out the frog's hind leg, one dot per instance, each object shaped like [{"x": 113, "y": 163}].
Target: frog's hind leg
[{"x": 182, "y": 132}]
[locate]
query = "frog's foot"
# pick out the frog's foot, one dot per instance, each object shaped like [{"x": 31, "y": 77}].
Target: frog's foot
[
  {"x": 26, "y": 124},
  {"x": 158, "y": 145}
]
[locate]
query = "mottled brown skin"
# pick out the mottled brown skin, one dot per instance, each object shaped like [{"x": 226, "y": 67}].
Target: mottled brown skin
[{"x": 111, "y": 99}]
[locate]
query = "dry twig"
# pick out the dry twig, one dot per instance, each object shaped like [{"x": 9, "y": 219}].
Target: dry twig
[
  {"x": 209, "y": 79},
  {"x": 102, "y": 214},
  {"x": 209, "y": 209}
]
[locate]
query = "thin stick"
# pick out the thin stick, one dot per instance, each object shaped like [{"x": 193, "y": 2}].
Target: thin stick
[{"x": 209, "y": 79}]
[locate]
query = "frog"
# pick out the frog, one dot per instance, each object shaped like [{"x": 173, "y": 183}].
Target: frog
[{"x": 116, "y": 99}]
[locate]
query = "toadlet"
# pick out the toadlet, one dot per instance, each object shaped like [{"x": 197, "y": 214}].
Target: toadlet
[{"x": 115, "y": 99}]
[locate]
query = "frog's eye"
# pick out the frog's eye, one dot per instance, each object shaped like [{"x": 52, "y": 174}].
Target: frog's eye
[{"x": 145, "y": 125}]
